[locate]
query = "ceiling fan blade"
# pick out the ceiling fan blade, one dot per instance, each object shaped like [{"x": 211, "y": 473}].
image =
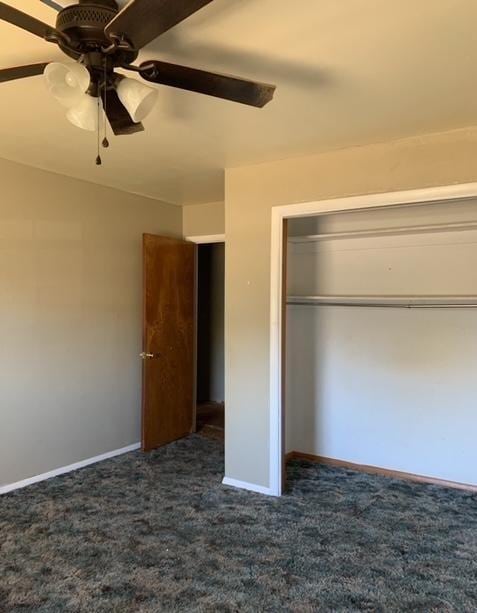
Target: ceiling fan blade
[
  {"x": 52, "y": 4},
  {"x": 118, "y": 117},
  {"x": 141, "y": 21},
  {"x": 210, "y": 83},
  {"x": 20, "y": 72},
  {"x": 26, "y": 22}
]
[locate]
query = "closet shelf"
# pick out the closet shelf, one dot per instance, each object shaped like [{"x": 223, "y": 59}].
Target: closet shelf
[
  {"x": 443, "y": 227},
  {"x": 406, "y": 302}
]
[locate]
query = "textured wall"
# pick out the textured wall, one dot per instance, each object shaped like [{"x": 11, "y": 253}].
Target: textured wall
[
  {"x": 204, "y": 219},
  {"x": 70, "y": 317}
]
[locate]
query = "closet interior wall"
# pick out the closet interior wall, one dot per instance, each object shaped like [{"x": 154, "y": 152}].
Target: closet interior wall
[{"x": 388, "y": 387}]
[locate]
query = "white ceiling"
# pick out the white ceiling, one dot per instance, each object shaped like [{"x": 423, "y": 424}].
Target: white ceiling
[{"x": 347, "y": 72}]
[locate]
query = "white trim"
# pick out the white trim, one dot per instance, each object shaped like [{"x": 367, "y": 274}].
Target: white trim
[
  {"x": 4, "y": 489},
  {"x": 304, "y": 209},
  {"x": 276, "y": 353},
  {"x": 206, "y": 239},
  {"x": 244, "y": 485},
  {"x": 412, "y": 196}
]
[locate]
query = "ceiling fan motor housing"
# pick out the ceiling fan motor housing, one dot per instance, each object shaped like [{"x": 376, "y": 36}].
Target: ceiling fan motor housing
[
  {"x": 101, "y": 38},
  {"x": 84, "y": 25}
]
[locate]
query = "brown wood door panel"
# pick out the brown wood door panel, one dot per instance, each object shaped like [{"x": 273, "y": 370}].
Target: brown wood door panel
[{"x": 168, "y": 404}]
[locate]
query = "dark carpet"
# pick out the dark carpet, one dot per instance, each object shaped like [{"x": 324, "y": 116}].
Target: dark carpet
[{"x": 159, "y": 532}]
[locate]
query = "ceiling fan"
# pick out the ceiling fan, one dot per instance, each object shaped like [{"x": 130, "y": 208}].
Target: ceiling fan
[{"x": 100, "y": 37}]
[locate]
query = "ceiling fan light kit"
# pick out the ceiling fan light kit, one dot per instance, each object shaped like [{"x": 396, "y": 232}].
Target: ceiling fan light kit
[
  {"x": 100, "y": 38},
  {"x": 72, "y": 86},
  {"x": 138, "y": 98},
  {"x": 67, "y": 82},
  {"x": 85, "y": 114}
]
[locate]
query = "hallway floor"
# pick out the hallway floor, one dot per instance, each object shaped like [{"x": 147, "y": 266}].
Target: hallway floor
[{"x": 211, "y": 419}]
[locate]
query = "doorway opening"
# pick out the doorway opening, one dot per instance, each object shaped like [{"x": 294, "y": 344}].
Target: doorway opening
[{"x": 210, "y": 396}]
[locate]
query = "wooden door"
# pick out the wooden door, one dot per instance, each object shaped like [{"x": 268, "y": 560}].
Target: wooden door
[{"x": 168, "y": 391}]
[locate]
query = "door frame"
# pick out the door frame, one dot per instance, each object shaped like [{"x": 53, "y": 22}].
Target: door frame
[
  {"x": 206, "y": 239},
  {"x": 277, "y": 285}
]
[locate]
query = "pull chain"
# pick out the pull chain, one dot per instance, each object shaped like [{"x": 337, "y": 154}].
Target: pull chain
[
  {"x": 105, "y": 142},
  {"x": 98, "y": 157}
]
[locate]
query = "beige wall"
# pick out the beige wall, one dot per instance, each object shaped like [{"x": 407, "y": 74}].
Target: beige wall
[
  {"x": 70, "y": 317},
  {"x": 250, "y": 194},
  {"x": 204, "y": 219}
]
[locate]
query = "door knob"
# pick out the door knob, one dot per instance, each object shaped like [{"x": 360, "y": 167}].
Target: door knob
[{"x": 144, "y": 355}]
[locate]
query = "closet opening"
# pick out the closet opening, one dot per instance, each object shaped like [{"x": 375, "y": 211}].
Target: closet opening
[
  {"x": 380, "y": 315},
  {"x": 210, "y": 340}
]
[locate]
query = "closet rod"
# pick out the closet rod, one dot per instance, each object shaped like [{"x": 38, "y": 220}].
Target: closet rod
[{"x": 396, "y": 302}]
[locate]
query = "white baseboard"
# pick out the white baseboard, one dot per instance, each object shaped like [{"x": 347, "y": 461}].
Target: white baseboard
[
  {"x": 244, "y": 485},
  {"x": 4, "y": 489}
]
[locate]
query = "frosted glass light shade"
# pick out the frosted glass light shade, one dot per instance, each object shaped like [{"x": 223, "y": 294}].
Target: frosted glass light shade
[
  {"x": 67, "y": 82},
  {"x": 84, "y": 114},
  {"x": 139, "y": 99}
]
